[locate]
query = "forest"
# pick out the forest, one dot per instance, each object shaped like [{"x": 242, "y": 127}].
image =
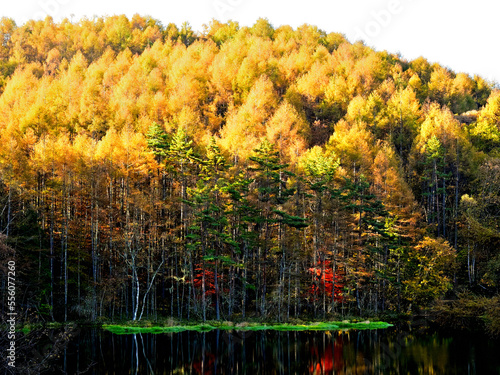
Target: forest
[{"x": 151, "y": 171}]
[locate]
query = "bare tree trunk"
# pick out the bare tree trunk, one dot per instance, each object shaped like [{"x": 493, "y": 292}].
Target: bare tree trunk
[
  {"x": 203, "y": 291},
  {"x": 216, "y": 286},
  {"x": 149, "y": 288},
  {"x": 9, "y": 211},
  {"x": 135, "y": 288},
  {"x": 444, "y": 207},
  {"x": 51, "y": 240},
  {"x": 245, "y": 281}
]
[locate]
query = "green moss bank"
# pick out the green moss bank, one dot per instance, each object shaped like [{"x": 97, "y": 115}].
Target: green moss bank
[{"x": 323, "y": 326}]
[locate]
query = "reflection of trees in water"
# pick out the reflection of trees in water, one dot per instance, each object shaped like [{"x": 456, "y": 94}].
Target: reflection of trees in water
[
  {"x": 274, "y": 353},
  {"x": 246, "y": 352},
  {"x": 40, "y": 351},
  {"x": 328, "y": 358}
]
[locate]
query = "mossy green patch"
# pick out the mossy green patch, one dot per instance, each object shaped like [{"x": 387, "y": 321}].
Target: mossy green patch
[
  {"x": 323, "y": 326},
  {"x": 124, "y": 330}
]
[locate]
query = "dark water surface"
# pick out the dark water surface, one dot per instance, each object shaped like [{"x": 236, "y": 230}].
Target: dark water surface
[{"x": 390, "y": 351}]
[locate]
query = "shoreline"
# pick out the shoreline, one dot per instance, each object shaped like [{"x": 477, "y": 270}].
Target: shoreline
[{"x": 247, "y": 326}]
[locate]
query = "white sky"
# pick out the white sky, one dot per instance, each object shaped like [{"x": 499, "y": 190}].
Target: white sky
[{"x": 459, "y": 34}]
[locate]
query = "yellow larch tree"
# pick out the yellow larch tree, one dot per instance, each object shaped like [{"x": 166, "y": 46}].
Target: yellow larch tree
[
  {"x": 289, "y": 131},
  {"x": 247, "y": 124},
  {"x": 355, "y": 146}
]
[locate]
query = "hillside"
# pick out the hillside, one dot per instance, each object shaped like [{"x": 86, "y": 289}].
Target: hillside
[{"x": 147, "y": 170}]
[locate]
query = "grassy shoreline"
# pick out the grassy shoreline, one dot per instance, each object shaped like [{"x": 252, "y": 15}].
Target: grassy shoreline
[{"x": 245, "y": 326}]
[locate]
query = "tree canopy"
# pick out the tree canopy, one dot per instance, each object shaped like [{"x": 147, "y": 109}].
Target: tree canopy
[{"x": 148, "y": 169}]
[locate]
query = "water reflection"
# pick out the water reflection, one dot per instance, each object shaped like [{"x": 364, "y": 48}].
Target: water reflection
[{"x": 221, "y": 352}]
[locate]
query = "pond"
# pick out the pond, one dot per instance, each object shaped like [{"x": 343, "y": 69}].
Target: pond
[{"x": 387, "y": 351}]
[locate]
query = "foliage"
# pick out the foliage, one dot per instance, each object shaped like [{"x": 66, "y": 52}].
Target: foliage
[
  {"x": 471, "y": 312},
  {"x": 149, "y": 170}
]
